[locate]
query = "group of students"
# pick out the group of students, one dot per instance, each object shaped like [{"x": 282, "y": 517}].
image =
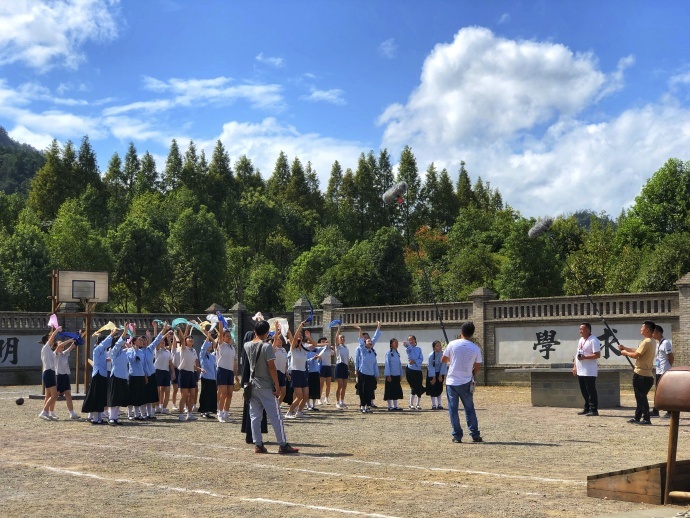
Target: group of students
[
  {"x": 367, "y": 372},
  {"x": 137, "y": 372}
]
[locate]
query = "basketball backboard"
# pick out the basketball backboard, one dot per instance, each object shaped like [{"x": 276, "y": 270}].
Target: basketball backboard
[{"x": 74, "y": 286}]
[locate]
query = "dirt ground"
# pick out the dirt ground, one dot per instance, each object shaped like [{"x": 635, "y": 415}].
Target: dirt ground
[{"x": 533, "y": 463}]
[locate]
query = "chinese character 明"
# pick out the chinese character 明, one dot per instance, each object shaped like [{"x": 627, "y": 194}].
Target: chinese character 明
[
  {"x": 9, "y": 348},
  {"x": 607, "y": 343},
  {"x": 546, "y": 340}
]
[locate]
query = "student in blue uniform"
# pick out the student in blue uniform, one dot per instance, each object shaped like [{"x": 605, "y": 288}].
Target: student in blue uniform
[
  {"x": 118, "y": 381},
  {"x": 151, "y": 391},
  {"x": 208, "y": 399},
  {"x": 314, "y": 378},
  {"x": 436, "y": 374},
  {"x": 413, "y": 371},
  {"x": 97, "y": 397},
  {"x": 137, "y": 378},
  {"x": 367, "y": 370},
  {"x": 362, "y": 338},
  {"x": 393, "y": 373}
]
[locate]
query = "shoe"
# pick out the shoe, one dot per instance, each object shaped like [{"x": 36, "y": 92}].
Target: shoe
[
  {"x": 439, "y": 407},
  {"x": 209, "y": 416},
  {"x": 667, "y": 415},
  {"x": 175, "y": 407},
  {"x": 315, "y": 409},
  {"x": 181, "y": 417},
  {"x": 397, "y": 409},
  {"x": 364, "y": 410},
  {"x": 299, "y": 414},
  {"x": 157, "y": 410},
  {"x": 140, "y": 418},
  {"x": 373, "y": 406},
  {"x": 412, "y": 407},
  {"x": 337, "y": 405},
  {"x": 343, "y": 405},
  {"x": 112, "y": 422},
  {"x": 75, "y": 416},
  {"x": 583, "y": 412},
  {"x": 165, "y": 411},
  {"x": 456, "y": 440},
  {"x": 46, "y": 417},
  {"x": 260, "y": 448},
  {"x": 192, "y": 417},
  {"x": 131, "y": 417},
  {"x": 152, "y": 418},
  {"x": 326, "y": 401},
  {"x": 286, "y": 448},
  {"x": 645, "y": 421},
  {"x": 433, "y": 407},
  {"x": 634, "y": 421},
  {"x": 195, "y": 408},
  {"x": 654, "y": 413},
  {"x": 477, "y": 439},
  {"x": 289, "y": 415},
  {"x": 391, "y": 409},
  {"x": 418, "y": 407},
  {"x": 96, "y": 422},
  {"x": 54, "y": 417},
  {"x": 592, "y": 413},
  {"x": 318, "y": 401},
  {"x": 221, "y": 419}
]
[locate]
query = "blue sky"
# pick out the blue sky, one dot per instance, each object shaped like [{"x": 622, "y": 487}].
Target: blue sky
[{"x": 562, "y": 105}]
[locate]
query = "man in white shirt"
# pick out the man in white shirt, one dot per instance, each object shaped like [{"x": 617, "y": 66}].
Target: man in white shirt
[
  {"x": 585, "y": 367},
  {"x": 464, "y": 359},
  {"x": 663, "y": 360}
]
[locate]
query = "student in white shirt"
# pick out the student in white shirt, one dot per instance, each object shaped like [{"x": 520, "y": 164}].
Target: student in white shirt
[
  {"x": 342, "y": 369},
  {"x": 63, "y": 372},
  {"x": 226, "y": 375},
  {"x": 48, "y": 375}
]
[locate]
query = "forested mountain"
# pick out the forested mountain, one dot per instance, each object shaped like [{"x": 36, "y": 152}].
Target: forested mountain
[
  {"x": 18, "y": 164},
  {"x": 202, "y": 229}
]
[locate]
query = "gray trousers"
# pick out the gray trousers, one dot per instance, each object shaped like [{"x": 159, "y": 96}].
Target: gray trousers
[{"x": 263, "y": 399}]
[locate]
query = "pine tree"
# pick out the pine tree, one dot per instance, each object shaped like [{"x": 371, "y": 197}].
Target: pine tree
[
  {"x": 48, "y": 186},
  {"x": 173, "y": 168},
  {"x": 130, "y": 171},
  {"x": 464, "y": 188},
  {"x": 146, "y": 179},
  {"x": 280, "y": 178}
]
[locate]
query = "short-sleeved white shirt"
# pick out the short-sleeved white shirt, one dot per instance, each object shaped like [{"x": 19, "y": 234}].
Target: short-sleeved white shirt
[
  {"x": 48, "y": 358},
  {"x": 663, "y": 349},
  {"x": 462, "y": 354},
  {"x": 588, "y": 346}
]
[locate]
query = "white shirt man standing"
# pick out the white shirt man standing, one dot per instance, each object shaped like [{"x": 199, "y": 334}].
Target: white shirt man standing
[
  {"x": 464, "y": 359},
  {"x": 663, "y": 360},
  {"x": 586, "y": 369}
]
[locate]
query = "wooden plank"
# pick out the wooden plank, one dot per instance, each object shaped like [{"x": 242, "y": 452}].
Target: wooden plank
[
  {"x": 683, "y": 496},
  {"x": 646, "y": 482},
  {"x": 625, "y": 497}
]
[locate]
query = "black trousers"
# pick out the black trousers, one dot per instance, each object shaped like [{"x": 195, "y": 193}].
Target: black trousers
[
  {"x": 588, "y": 387},
  {"x": 642, "y": 385}
]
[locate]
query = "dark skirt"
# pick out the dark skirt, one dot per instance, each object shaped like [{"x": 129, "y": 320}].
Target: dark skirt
[
  {"x": 392, "y": 390},
  {"x": 436, "y": 389},
  {"x": 152, "y": 389},
  {"x": 246, "y": 427},
  {"x": 162, "y": 378},
  {"x": 118, "y": 391},
  {"x": 137, "y": 391},
  {"x": 208, "y": 398},
  {"x": 414, "y": 379},
  {"x": 314, "y": 385},
  {"x": 366, "y": 387},
  {"x": 97, "y": 397}
]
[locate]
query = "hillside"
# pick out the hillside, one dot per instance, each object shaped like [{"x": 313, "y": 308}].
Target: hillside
[{"x": 18, "y": 164}]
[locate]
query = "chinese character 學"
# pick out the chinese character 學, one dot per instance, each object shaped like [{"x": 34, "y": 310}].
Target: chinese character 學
[
  {"x": 8, "y": 349},
  {"x": 546, "y": 340},
  {"x": 607, "y": 343}
]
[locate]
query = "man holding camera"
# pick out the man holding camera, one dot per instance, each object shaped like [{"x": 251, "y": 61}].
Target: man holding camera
[{"x": 585, "y": 368}]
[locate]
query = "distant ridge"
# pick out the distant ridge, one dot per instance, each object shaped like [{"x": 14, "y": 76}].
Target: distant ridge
[
  {"x": 18, "y": 164},
  {"x": 8, "y": 142}
]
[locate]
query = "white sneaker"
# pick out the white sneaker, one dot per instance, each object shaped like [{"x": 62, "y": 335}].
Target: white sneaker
[
  {"x": 165, "y": 411},
  {"x": 221, "y": 419},
  {"x": 343, "y": 405},
  {"x": 75, "y": 416},
  {"x": 175, "y": 407},
  {"x": 195, "y": 408},
  {"x": 337, "y": 405},
  {"x": 326, "y": 401},
  {"x": 299, "y": 414},
  {"x": 45, "y": 416},
  {"x": 182, "y": 417},
  {"x": 289, "y": 415},
  {"x": 157, "y": 410},
  {"x": 318, "y": 401},
  {"x": 53, "y": 416},
  {"x": 191, "y": 417}
]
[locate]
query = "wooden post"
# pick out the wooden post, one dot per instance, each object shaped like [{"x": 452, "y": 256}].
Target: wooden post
[
  {"x": 87, "y": 342},
  {"x": 672, "y": 450}
]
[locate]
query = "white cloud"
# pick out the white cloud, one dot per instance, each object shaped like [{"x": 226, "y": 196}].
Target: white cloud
[
  {"x": 43, "y": 35},
  {"x": 274, "y": 62},
  {"x": 333, "y": 96},
  {"x": 505, "y": 18},
  {"x": 388, "y": 48},
  {"x": 39, "y": 141},
  {"x": 514, "y": 112},
  {"x": 262, "y": 142}
]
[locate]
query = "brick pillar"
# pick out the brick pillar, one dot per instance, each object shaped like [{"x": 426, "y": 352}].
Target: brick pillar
[
  {"x": 300, "y": 310},
  {"x": 479, "y": 297},
  {"x": 330, "y": 306},
  {"x": 681, "y": 338},
  {"x": 237, "y": 313}
]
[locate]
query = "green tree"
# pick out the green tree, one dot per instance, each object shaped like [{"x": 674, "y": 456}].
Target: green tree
[
  {"x": 263, "y": 292},
  {"x": 531, "y": 267},
  {"x": 172, "y": 175},
  {"x": 412, "y": 210},
  {"x": 280, "y": 179},
  {"x": 48, "y": 189},
  {"x": 589, "y": 265},
  {"x": 669, "y": 262},
  {"x": 146, "y": 179},
  {"x": 130, "y": 171},
  {"x": 196, "y": 246},
  {"x": 464, "y": 190}
]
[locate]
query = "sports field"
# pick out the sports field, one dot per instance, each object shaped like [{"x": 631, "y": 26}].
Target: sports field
[{"x": 534, "y": 462}]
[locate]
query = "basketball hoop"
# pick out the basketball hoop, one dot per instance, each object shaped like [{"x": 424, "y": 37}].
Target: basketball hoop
[{"x": 89, "y": 305}]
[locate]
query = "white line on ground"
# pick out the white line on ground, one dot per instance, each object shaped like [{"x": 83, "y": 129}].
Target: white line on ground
[
  {"x": 197, "y": 491},
  {"x": 404, "y": 466}
]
